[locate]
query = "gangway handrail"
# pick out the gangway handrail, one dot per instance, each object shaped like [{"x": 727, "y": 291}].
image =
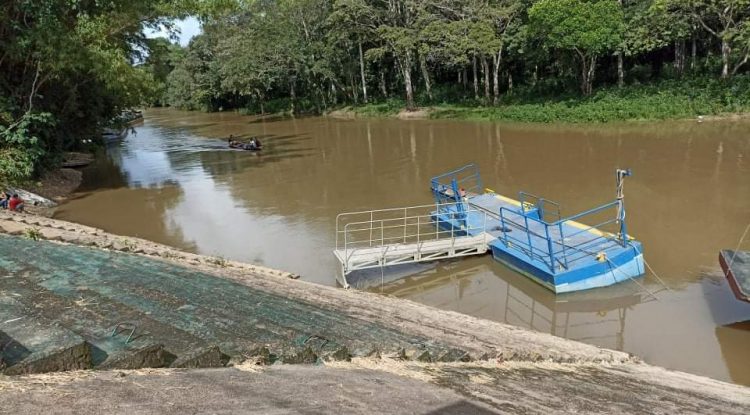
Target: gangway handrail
[
  {"x": 551, "y": 255},
  {"x": 383, "y": 237},
  {"x": 340, "y": 216},
  {"x": 382, "y": 227}
]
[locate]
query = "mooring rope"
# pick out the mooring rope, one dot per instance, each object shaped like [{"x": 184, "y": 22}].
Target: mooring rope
[
  {"x": 734, "y": 254},
  {"x": 666, "y": 287},
  {"x": 615, "y": 268}
]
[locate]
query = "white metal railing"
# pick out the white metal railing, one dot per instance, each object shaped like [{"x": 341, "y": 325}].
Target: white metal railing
[{"x": 386, "y": 228}]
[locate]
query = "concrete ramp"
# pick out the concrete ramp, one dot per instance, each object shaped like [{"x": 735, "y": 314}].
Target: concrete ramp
[
  {"x": 181, "y": 317},
  {"x": 30, "y": 344}
]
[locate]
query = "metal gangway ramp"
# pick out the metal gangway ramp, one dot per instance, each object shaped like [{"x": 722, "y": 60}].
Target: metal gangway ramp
[{"x": 387, "y": 237}]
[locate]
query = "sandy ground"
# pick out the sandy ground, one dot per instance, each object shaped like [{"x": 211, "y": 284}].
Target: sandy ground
[{"x": 372, "y": 387}]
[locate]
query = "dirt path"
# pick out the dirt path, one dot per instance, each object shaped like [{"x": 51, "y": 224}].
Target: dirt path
[{"x": 375, "y": 387}]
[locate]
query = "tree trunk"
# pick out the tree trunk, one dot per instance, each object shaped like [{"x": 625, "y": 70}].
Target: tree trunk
[
  {"x": 588, "y": 67},
  {"x": 334, "y": 95},
  {"x": 465, "y": 78},
  {"x": 496, "y": 76},
  {"x": 620, "y": 70},
  {"x": 362, "y": 73},
  {"x": 406, "y": 69},
  {"x": 292, "y": 94},
  {"x": 383, "y": 86},
  {"x": 486, "y": 72},
  {"x": 353, "y": 86},
  {"x": 679, "y": 57},
  {"x": 476, "y": 80},
  {"x": 510, "y": 82},
  {"x": 725, "y": 51},
  {"x": 693, "y": 57},
  {"x": 425, "y": 75}
]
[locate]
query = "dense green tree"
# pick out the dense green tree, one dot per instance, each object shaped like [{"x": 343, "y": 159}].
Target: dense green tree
[
  {"x": 66, "y": 68},
  {"x": 727, "y": 21},
  {"x": 163, "y": 57},
  {"x": 588, "y": 28}
]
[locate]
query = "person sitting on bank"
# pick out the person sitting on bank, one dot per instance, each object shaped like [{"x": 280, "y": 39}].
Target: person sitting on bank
[
  {"x": 16, "y": 203},
  {"x": 4, "y": 200}
]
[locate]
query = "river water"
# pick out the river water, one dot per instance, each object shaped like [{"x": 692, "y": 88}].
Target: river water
[{"x": 175, "y": 182}]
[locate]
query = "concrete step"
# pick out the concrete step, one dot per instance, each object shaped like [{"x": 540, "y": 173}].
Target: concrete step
[
  {"x": 32, "y": 344},
  {"x": 95, "y": 317}
]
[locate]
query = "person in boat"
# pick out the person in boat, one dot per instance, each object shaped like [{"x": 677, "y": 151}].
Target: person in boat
[
  {"x": 16, "y": 203},
  {"x": 4, "y": 199},
  {"x": 258, "y": 143},
  {"x": 254, "y": 144},
  {"x": 462, "y": 192}
]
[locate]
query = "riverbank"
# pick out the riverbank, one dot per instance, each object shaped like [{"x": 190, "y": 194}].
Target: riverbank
[
  {"x": 418, "y": 350},
  {"x": 677, "y": 99},
  {"x": 42, "y": 196}
]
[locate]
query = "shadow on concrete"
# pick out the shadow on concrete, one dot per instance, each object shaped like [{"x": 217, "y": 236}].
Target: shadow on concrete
[{"x": 462, "y": 407}]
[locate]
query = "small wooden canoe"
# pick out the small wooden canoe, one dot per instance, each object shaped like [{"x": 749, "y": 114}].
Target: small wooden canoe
[{"x": 736, "y": 266}]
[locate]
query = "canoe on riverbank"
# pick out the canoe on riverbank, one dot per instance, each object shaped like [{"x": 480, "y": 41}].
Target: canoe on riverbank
[{"x": 736, "y": 266}]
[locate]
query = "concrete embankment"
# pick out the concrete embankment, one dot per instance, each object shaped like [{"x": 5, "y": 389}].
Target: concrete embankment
[{"x": 124, "y": 303}]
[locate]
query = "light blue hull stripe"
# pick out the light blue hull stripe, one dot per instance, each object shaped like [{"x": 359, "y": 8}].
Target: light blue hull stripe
[{"x": 626, "y": 271}]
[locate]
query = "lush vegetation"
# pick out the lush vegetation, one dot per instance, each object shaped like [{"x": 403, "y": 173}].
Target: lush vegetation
[
  {"x": 526, "y": 60},
  {"x": 687, "y": 97},
  {"x": 67, "y": 67}
]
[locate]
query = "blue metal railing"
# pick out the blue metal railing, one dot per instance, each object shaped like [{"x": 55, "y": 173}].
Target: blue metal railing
[
  {"x": 548, "y": 242},
  {"x": 453, "y": 185},
  {"x": 532, "y": 202}
]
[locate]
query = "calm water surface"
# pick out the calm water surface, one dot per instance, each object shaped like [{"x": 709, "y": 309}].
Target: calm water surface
[{"x": 175, "y": 182}]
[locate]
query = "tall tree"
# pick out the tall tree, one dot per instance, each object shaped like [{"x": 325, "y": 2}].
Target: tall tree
[
  {"x": 727, "y": 21},
  {"x": 66, "y": 67},
  {"x": 588, "y": 28}
]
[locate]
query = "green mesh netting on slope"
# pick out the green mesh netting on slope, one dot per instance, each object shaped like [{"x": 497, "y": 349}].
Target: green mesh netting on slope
[{"x": 89, "y": 291}]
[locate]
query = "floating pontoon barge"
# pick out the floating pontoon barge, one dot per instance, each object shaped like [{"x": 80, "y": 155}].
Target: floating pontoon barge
[
  {"x": 528, "y": 235},
  {"x": 531, "y": 237}
]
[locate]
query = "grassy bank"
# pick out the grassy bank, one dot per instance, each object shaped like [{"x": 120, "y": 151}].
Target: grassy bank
[{"x": 673, "y": 99}]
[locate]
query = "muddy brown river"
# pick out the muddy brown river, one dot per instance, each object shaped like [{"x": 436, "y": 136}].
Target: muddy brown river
[{"x": 175, "y": 182}]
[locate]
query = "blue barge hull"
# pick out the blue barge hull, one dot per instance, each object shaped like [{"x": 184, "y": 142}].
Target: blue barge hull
[{"x": 561, "y": 254}]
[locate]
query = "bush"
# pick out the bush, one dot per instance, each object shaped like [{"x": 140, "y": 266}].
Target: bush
[{"x": 668, "y": 99}]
